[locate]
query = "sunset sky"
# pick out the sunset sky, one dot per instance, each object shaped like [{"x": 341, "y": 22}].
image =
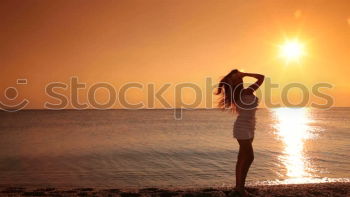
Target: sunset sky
[{"x": 170, "y": 41}]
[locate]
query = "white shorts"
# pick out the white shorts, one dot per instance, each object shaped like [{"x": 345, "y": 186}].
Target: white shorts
[{"x": 244, "y": 129}]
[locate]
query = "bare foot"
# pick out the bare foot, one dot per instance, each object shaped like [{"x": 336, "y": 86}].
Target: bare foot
[{"x": 242, "y": 192}]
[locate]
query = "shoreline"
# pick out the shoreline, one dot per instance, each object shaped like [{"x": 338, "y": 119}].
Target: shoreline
[{"x": 335, "y": 189}]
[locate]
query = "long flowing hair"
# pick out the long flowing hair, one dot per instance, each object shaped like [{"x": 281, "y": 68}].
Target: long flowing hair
[{"x": 229, "y": 90}]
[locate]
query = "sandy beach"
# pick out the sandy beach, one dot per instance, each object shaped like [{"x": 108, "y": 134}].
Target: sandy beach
[{"x": 307, "y": 190}]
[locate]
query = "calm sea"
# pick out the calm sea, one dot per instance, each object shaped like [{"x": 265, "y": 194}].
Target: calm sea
[{"x": 148, "y": 148}]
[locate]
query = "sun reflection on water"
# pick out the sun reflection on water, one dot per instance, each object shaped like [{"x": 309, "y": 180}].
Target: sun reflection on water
[{"x": 293, "y": 129}]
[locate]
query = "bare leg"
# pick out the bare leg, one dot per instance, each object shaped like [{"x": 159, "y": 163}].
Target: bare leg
[
  {"x": 247, "y": 162},
  {"x": 245, "y": 159},
  {"x": 239, "y": 169}
]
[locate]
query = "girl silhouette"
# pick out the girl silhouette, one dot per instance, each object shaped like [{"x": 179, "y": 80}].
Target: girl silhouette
[{"x": 242, "y": 100}]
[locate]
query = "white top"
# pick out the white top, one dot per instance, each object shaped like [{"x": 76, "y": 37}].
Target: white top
[
  {"x": 244, "y": 126},
  {"x": 249, "y": 102}
]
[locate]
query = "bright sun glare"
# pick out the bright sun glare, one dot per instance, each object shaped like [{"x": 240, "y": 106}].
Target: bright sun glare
[
  {"x": 294, "y": 130},
  {"x": 292, "y": 50}
]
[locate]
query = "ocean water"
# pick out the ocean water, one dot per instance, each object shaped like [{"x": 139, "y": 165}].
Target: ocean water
[{"x": 149, "y": 148}]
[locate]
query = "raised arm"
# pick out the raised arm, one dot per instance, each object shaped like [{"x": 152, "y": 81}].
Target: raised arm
[{"x": 260, "y": 79}]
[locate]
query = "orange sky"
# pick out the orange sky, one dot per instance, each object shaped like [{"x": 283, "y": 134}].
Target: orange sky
[{"x": 168, "y": 41}]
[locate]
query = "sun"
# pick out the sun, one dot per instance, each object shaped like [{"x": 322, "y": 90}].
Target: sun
[{"x": 292, "y": 50}]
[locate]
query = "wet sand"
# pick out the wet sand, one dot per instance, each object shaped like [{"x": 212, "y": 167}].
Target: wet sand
[{"x": 319, "y": 190}]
